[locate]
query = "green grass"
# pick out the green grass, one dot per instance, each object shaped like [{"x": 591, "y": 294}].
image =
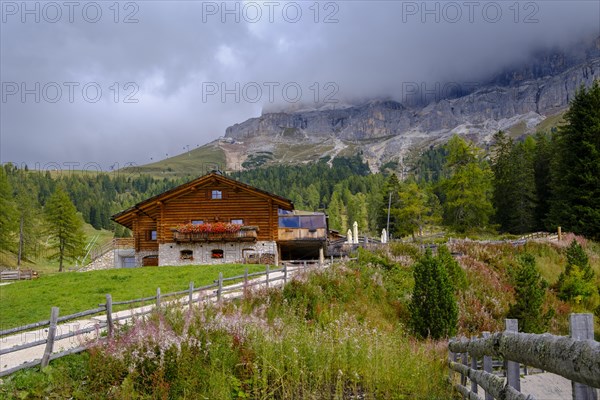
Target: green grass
[
  {"x": 551, "y": 121},
  {"x": 197, "y": 162},
  {"x": 30, "y": 301},
  {"x": 301, "y": 153}
]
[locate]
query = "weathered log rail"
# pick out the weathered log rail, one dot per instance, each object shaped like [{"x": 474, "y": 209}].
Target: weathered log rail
[{"x": 576, "y": 358}]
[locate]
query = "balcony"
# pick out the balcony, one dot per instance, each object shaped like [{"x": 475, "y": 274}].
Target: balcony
[{"x": 245, "y": 234}]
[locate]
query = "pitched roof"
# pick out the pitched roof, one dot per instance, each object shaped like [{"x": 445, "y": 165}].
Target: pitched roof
[{"x": 126, "y": 216}]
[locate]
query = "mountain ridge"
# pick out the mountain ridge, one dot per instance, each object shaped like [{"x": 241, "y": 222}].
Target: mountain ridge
[{"x": 385, "y": 130}]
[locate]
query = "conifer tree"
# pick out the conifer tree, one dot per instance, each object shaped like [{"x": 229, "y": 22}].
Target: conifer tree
[
  {"x": 576, "y": 282},
  {"x": 544, "y": 154},
  {"x": 576, "y": 173},
  {"x": 65, "y": 228},
  {"x": 8, "y": 214},
  {"x": 433, "y": 308},
  {"x": 530, "y": 290}
]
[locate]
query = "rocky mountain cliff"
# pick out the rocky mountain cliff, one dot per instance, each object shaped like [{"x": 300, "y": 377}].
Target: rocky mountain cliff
[{"x": 517, "y": 100}]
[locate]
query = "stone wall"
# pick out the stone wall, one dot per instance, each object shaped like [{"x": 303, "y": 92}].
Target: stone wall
[
  {"x": 106, "y": 261},
  {"x": 202, "y": 253}
]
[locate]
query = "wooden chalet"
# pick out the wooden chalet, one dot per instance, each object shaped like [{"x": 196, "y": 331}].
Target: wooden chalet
[{"x": 215, "y": 219}]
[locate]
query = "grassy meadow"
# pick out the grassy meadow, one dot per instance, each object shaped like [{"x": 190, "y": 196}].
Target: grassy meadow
[{"x": 25, "y": 302}]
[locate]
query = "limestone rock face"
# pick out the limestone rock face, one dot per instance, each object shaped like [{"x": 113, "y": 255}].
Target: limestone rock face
[{"x": 385, "y": 130}]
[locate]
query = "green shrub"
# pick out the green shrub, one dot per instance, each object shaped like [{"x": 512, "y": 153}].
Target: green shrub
[{"x": 576, "y": 282}]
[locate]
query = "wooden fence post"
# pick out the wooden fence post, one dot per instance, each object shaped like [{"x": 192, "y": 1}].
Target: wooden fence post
[
  {"x": 157, "y": 297},
  {"x": 51, "y": 336},
  {"x": 559, "y": 235},
  {"x": 487, "y": 367},
  {"x": 451, "y": 356},
  {"x": 581, "y": 327},
  {"x": 473, "y": 366},
  {"x": 465, "y": 362},
  {"x": 305, "y": 266},
  {"x": 246, "y": 278},
  {"x": 285, "y": 273},
  {"x": 220, "y": 288},
  {"x": 267, "y": 275},
  {"x": 513, "y": 377},
  {"x": 191, "y": 294},
  {"x": 109, "y": 319}
]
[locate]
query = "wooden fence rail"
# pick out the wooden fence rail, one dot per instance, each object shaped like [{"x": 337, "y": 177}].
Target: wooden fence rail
[
  {"x": 106, "y": 309},
  {"x": 576, "y": 358}
]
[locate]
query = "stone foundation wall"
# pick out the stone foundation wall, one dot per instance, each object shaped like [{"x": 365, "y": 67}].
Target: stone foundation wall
[{"x": 201, "y": 253}]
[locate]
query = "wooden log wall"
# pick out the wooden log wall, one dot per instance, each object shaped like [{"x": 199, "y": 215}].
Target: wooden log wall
[{"x": 235, "y": 203}]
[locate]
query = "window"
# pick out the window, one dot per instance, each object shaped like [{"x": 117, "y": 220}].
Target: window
[
  {"x": 197, "y": 222},
  {"x": 217, "y": 253},
  {"x": 217, "y": 195},
  {"x": 237, "y": 221},
  {"x": 152, "y": 235},
  {"x": 186, "y": 255}
]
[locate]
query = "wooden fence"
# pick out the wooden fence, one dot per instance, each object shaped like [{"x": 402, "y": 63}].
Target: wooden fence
[
  {"x": 17, "y": 274},
  {"x": 188, "y": 297},
  {"x": 575, "y": 357}
]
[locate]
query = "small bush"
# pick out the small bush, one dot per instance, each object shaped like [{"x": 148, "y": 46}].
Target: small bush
[{"x": 433, "y": 308}]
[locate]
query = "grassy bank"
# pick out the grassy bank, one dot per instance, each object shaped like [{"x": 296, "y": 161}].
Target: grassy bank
[{"x": 30, "y": 301}]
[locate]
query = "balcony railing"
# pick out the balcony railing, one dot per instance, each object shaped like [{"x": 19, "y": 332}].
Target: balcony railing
[{"x": 248, "y": 234}]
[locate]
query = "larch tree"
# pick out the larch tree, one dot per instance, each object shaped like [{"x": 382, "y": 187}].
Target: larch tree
[
  {"x": 65, "y": 228},
  {"x": 468, "y": 190},
  {"x": 413, "y": 210}
]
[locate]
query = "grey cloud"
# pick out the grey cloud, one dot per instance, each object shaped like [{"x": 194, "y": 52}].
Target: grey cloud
[{"x": 172, "y": 53}]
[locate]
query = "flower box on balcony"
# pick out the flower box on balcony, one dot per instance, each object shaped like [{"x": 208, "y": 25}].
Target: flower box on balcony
[{"x": 218, "y": 232}]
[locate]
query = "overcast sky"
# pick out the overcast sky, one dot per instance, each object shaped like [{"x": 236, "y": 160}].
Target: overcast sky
[{"x": 105, "y": 82}]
